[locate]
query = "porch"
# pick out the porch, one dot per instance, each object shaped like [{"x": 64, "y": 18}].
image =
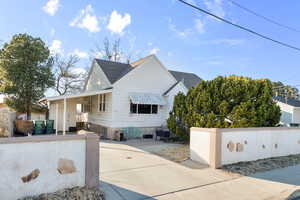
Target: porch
[{"x": 90, "y": 106}]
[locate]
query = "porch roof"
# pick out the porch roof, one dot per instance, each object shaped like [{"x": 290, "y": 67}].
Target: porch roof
[{"x": 82, "y": 94}]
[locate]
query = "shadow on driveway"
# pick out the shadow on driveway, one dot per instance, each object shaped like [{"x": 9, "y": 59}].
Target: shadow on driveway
[
  {"x": 289, "y": 175},
  {"x": 113, "y": 192}
]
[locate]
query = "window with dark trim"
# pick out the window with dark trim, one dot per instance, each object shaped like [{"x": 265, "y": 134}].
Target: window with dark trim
[
  {"x": 101, "y": 102},
  {"x": 143, "y": 108}
]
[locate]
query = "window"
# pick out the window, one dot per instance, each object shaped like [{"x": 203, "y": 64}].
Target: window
[
  {"x": 87, "y": 107},
  {"x": 143, "y": 108},
  {"x": 154, "y": 109},
  {"x": 101, "y": 102}
]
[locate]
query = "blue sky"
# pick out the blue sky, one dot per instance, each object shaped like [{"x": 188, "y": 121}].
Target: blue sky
[{"x": 183, "y": 39}]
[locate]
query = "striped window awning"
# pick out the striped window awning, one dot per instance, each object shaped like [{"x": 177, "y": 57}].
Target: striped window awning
[{"x": 146, "y": 98}]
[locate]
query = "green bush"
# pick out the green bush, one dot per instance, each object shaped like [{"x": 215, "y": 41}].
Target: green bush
[{"x": 225, "y": 102}]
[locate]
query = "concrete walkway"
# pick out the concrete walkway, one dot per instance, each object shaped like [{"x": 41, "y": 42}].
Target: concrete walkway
[{"x": 131, "y": 173}]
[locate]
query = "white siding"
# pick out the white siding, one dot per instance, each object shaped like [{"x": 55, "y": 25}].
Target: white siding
[
  {"x": 97, "y": 79},
  {"x": 288, "y": 114},
  {"x": 71, "y": 113},
  {"x": 150, "y": 77},
  {"x": 170, "y": 96},
  {"x": 38, "y": 116},
  {"x": 52, "y": 114},
  {"x": 103, "y": 118},
  {"x": 296, "y": 115},
  {"x": 95, "y": 117}
]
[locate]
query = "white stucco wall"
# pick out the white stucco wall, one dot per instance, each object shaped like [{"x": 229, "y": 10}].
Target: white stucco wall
[
  {"x": 243, "y": 144},
  {"x": 7, "y": 118},
  {"x": 276, "y": 142},
  {"x": 200, "y": 146},
  {"x": 20, "y": 159},
  {"x": 149, "y": 77}
]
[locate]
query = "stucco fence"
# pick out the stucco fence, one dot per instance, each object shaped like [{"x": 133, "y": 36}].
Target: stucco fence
[
  {"x": 216, "y": 147},
  {"x": 7, "y": 118},
  {"x": 44, "y": 164}
]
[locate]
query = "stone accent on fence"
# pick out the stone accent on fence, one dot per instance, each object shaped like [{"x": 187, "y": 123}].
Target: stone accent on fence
[
  {"x": 7, "y": 118},
  {"x": 217, "y": 147},
  {"x": 36, "y": 165}
]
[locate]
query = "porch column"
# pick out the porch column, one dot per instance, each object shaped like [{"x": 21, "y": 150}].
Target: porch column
[
  {"x": 56, "y": 118},
  {"x": 65, "y": 116}
]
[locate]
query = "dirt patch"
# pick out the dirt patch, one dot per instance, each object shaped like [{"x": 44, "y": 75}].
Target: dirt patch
[
  {"x": 251, "y": 167},
  {"x": 176, "y": 153},
  {"x": 78, "y": 193}
]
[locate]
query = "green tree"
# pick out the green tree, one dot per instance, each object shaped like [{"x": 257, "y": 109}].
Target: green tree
[
  {"x": 225, "y": 102},
  {"x": 25, "y": 72}
]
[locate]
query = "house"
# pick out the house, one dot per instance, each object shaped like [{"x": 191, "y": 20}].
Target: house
[
  {"x": 116, "y": 96},
  {"x": 290, "y": 110},
  {"x": 38, "y": 113}
]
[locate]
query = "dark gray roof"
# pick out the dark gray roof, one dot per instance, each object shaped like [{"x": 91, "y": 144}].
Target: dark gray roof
[
  {"x": 114, "y": 70},
  {"x": 166, "y": 92},
  {"x": 289, "y": 101},
  {"x": 189, "y": 79}
]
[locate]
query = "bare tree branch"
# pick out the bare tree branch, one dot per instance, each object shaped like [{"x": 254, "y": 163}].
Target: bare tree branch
[{"x": 67, "y": 79}]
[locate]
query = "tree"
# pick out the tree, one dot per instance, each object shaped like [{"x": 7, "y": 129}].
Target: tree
[
  {"x": 112, "y": 51},
  {"x": 25, "y": 72},
  {"x": 225, "y": 102},
  {"x": 285, "y": 90},
  {"x": 67, "y": 79}
]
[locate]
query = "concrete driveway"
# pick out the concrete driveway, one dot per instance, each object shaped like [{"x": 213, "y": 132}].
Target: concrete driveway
[{"x": 129, "y": 172}]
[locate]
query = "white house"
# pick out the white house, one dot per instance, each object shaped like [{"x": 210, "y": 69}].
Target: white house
[
  {"x": 290, "y": 110},
  {"x": 118, "y": 96}
]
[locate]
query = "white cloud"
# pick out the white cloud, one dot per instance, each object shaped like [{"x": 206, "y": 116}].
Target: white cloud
[
  {"x": 86, "y": 20},
  {"x": 154, "y": 50},
  {"x": 51, "y": 7},
  {"x": 150, "y": 43},
  {"x": 231, "y": 42},
  {"x": 52, "y": 32},
  {"x": 215, "y": 6},
  {"x": 99, "y": 54},
  {"x": 117, "y": 22},
  {"x": 79, "y": 70},
  {"x": 214, "y": 62},
  {"x": 183, "y": 34},
  {"x": 191, "y": 2},
  {"x": 199, "y": 25},
  {"x": 56, "y": 47},
  {"x": 80, "y": 54},
  {"x": 170, "y": 53}
]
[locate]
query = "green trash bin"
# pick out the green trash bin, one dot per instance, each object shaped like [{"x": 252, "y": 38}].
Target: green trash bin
[
  {"x": 39, "y": 127},
  {"x": 49, "y": 126}
]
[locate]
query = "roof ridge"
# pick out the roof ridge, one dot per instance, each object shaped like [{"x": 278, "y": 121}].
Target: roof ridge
[
  {"x": 183, "y": 72},
  {"x": 112, "y": 61}
]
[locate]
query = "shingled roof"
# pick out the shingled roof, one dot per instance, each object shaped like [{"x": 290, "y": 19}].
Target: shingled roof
[
  {"x": 189, "y": 79},
  {"x": 114, "y": 71},
  {"x": 289, "y": 101}
]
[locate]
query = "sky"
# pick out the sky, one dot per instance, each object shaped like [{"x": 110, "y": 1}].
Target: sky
[{"x": 182, "y": 38}]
